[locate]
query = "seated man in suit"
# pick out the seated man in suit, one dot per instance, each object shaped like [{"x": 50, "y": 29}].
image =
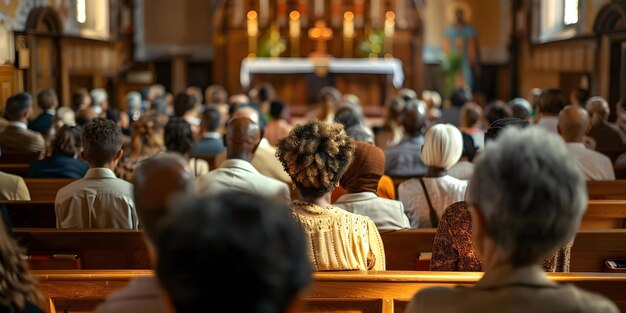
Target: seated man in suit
[
  {"x": 243, "y": 135},
  {"x": 211, "y": 143},
  {"x": 158, "y": 180},
  {"x": 48, "y": 102},
  {"x": 13, "y": 188},
  {"x": 16, "y": 137},
  {"x": 100, "y": 199},
  {"x": 221, "y": 239},
  {"x": 520, "y": 217}
]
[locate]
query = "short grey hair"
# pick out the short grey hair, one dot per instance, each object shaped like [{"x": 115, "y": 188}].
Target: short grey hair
[
  {"x": 530, "y": 192},
  {"x": 443, "y": 146},
  {"x": 133, "y": 101},
  {"x": 98, "y": 96}
]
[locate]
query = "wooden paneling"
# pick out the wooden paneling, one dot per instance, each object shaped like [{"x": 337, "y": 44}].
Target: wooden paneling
[{"x": 8, "y": 85}]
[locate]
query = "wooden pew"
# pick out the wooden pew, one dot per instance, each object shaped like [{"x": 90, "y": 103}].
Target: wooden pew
[
  {"x": 620, "y": 171},
  {"x": 38, "y": 214},
  {"x": 613, "y": 153},
  {"x": 350, "y": 291},
  {"x": 15, "y": 169},
  {"x": 96, "y": 248},
  {"x": 591, "y": 248},
  {"x": 604, "y": 214},
  {"x": 19, "y": 158},
  {"x": 45, "y": 189}
]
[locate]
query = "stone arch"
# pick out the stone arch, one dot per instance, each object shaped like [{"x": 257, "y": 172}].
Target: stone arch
[
  {"x": 44, "y": 20},
  {"x": 611, "y": 18}
]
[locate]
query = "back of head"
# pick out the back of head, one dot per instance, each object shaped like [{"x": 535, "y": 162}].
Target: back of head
[
  {"x": 178, "y": 136},
  {"x": 573, "y": 123},
  {"x": 159, "y": 104},
  {"x": 101, "y": 139},
  {"x": 66, "y": 116},
  {"x": 17, "y": 106},
  {"x": 158, "y": 181},
  {"x": 471, "y": 113},
  {"x": 276, "y": 109},
  {"x": 315, "y": 155},
  {"x": 394, "y": 111},
  {"x": 147, "y": 137},
  {"x": 196, "y": 93},
  {"x": 407, "y": 94},
  {"x": 211, "y": 118},
  {"x": 347, "y": 117},
  {"x": 552, "y": 101},
  {"x": 528, "y": 216},
  {"x": 215, "y": 94},
  {"x": 496, "y": 128},
  {"x": 520, "y": 108},
  {"x": 496, "y": 111},
  {"x": 265, "y": 92},
  {"x": 133, "y": 101},
  {"x": 47, "y": 99},
  {"x": 598, "y": 110},
  {"x": 443, "y": 145},
  {"x": 80, "y": 98},
  {"x": 414, "y": 117},
  {"x": 366, "y": 169},
  {"x": 329, "y": 94},
  {"x": 432, "y": 99},
  {"x": 67, "y": 141},
  {"x": 581, "y": 95},
  {"x": 460, "y": 96},
  {"x": 183, "y": 103},
  {"x": 98, "y": 97},
  {"x": 251, "y": 246},
  {"x": 243, "y": 136}
]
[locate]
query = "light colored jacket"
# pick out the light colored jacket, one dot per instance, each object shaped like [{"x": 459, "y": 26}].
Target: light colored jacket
[
  {"x": 13, "y": 188},
  {"x": 386, "y": 214}
]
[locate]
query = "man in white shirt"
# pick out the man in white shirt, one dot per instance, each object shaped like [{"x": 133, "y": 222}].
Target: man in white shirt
[
  {"x": 100, "y": 199},
  {"x": 243, "y": 136},
  {"x": 573, "y": 125}
]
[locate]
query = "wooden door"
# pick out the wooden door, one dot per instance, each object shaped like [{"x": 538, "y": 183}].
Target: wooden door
[{"x": 45, "y": 69}]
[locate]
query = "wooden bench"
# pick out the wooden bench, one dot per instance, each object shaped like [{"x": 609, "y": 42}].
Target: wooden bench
[
  {"x": 620, "y": 171},
  {"x": 19, "y": 158},
  {"x": 96, "y": 248},
  {"x": 45, "y": 189},
  {"x": 613, "y": 153},
  {"x": 591, "y": 248},
  {"x": 352, "y": 291},
  {"x": 37, "y": 214},
  {"x": 604, "y": 214},
  {"x": 607, "y": 190},
  {"x": 15, "y": 169}
]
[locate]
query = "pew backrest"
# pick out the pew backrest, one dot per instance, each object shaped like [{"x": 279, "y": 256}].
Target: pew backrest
[
  {"x": 15, "y": 169},
  {"x": 350, "y": 291},
  {"x": 19, "y": 158},
  {"x": 604, "y": 214},
  {"x": 37, "y": 214},
  {"x": 45, "y": 189}
]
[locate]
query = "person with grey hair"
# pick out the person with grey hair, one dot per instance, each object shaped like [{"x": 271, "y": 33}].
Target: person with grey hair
[
  {"x": 606, "y": 135},
  {"x": 99, "y": 101},
  {"x": 133, "y": 105},
  {"x": 158, "y": 181},
  {"x": 425, "y": 199},
  {"x": 520, "y": 219},
  {"x": 520, "y": 108},
  {"x": 573, "y": 125}
]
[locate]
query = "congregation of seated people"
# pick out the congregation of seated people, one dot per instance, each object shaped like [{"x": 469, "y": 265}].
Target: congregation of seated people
[{"x": 261, "y": 196}]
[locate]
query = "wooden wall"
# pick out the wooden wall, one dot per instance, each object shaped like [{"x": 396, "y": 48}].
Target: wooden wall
[{"x": 8, "y": 83}]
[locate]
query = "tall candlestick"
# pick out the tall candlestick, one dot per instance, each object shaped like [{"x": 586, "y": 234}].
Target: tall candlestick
[
  {"x": 294, "y": 33},
  {"x": 375, "y": 9},
  {"x": 389, "y": 31},
  {"x": 319, "y": 8},
  {"x": 264, "y": 11},
  {"x": 348, "y": 34},
  {"x": 253, "y": 32}
]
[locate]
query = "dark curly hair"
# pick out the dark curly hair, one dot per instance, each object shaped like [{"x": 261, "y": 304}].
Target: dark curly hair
[
  {"x": 178, "y": 136},
  {"x": 316, "y": 155},
  {"x": 101, "y": 139}
]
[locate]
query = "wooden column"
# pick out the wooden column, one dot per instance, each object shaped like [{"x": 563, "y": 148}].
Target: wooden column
[{"x": 179, "y": 73}]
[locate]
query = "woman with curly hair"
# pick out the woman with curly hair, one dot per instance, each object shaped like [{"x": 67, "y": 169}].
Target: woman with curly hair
[
  {"x": 316, "y": 155},
  {"x": 147, "y": 141},
  {"x": 18, "y": 289},
  {"x": 179, "y": 138}
]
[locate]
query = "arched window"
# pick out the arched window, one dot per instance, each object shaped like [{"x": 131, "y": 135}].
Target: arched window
[
  {"x": 555, "y": 19},
  {"x": 6, "y": 43},
  {"x": 93, "y": 18}
]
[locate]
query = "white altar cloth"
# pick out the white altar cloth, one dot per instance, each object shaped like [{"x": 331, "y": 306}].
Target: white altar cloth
[{"x": 250, "y": 67}]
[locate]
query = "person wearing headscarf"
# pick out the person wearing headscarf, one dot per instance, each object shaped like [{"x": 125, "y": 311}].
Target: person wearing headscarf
[{"x": 361, "y": 181}]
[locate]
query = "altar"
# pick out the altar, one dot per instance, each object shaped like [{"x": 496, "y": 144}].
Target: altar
[
  {"x": 370, "y": 48},
  {"x": 372, "y": 79}
]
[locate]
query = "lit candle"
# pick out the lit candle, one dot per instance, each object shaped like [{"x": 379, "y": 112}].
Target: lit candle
[
  {"x": 253, "y": 24},
  {"x": 390, "y": 24},
  {"x": 348, "y": 25},
  {"x": 294, "y": 24}
]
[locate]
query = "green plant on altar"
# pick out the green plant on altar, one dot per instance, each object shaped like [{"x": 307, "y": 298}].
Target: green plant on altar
[
  {"x": 451, "y": 66},
  {"x": 272, "y": 44},
  {"x": 372, "y": 46}
]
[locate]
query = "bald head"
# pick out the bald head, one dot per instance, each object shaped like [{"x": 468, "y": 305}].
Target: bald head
[
  {"x": 573, "y": 123},
  {"x": 243, "y": 136},
  {"x": 246, "y": 112},
  {"x": 157, "y": 180},
  {"x": 414, "y": 117}
]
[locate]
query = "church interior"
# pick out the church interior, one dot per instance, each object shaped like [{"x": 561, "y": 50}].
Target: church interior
[{"x": 312, "y": 155}]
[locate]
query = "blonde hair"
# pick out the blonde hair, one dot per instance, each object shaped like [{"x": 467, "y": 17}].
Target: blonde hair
[{"x": 443, "y": 145}]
